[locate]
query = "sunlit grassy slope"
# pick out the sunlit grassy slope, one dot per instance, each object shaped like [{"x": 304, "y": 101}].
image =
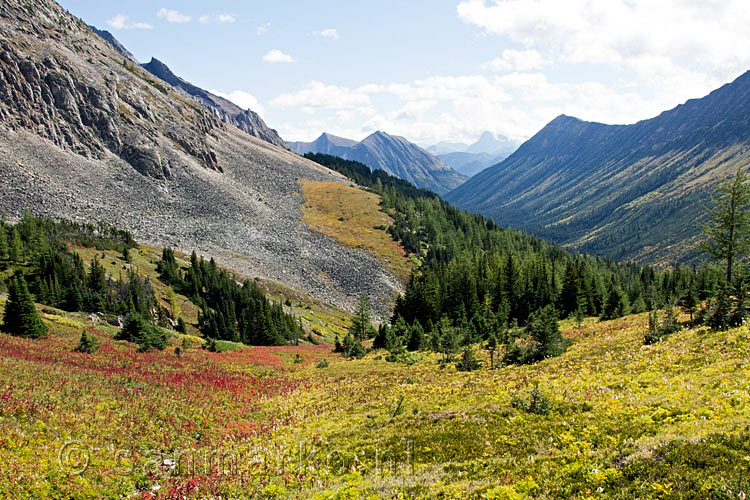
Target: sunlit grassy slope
[
  {"x": 626, "y": 420},
  {"x": 353, "y": 217}
]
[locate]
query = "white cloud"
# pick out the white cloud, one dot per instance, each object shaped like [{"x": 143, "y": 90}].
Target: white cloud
[
  {"x": 122, "y": 22},
  {"x": 277, "y": 56},
  {"x": 328, "y": 33},
  {"x": 172, "y": 16},
  {"x": 243, "y": 99},
  {"x": 618, "y": 33},
  {"x": 262, "y": 29},
  {"x": 218, "y": 19},
  {"x": 317, "y": 95},
  {"x": 516, "y": 60},
  {"x": 612, "y": 61}
]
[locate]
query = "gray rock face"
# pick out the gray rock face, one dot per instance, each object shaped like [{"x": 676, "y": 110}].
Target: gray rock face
[
  {"x": 88, "y": 100},
  {"x": 110, "y": 38},
  {"x": 86, "y": 135},
  {"x": 244, "y": 119},
  {"x": 395, "y": 155}
]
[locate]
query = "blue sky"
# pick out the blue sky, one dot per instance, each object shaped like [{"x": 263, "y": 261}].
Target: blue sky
[{"x": 438, "y": 70}]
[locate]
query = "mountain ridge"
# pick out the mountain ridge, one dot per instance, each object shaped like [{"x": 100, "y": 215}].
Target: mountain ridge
[
  {"x": 393, "y": 154},
  {"x": 623, "y": 191},
  {"x": 244, "y": 119}
]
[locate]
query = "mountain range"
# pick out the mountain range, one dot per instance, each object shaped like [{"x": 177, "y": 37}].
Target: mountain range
[
  {"x": 470, "y": 159},
  {"x": 394, "y": 154},
  {"x": 87, "y": 134},
  {"x": 244, "y": 119},
  {"x": 624, "y": 191}
]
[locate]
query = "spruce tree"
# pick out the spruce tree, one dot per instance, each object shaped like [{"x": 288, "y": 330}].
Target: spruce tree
[
  {"x": 416, "y": 337},
  {"x": 728, "y": 226},
  {"x": 21, "y": 317},
  {"x": 545, "y": 329},
  {"x": 361, "y": 324},
  {"x": 491, "y": 346},
  {"x": 86, "y": 345}
]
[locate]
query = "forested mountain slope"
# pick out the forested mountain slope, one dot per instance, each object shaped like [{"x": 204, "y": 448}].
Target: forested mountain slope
[{"x": 624, "y": 191}]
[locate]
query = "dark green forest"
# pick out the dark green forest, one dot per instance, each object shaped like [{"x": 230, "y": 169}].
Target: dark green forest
[
  {"x": 41, "y": 251},
  {"x": 229, "y": 311},
  {"x": 478, "y": 279}
]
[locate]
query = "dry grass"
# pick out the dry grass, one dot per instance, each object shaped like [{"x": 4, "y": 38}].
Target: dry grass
[{"x": 350, "y": 216}]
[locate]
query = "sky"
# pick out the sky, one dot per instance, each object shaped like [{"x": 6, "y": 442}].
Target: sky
[{"x": 438, "y": 70}]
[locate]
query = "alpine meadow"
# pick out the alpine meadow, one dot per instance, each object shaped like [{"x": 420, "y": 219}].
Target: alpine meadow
[{"x": 525, "y": 276}]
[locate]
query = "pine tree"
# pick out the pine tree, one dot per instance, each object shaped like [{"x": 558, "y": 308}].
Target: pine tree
[
  {"x": 15, "y": 247},
  {"x": 21, "y": 317},
  {"x": 689, "y": 300},
  {"x": 86, "y": 345},
  {"x": 728, "y": 227},
  {"x": 416, "y": 337},
  {"x": 3, "y": 242},
  {"x": 545, "y": 329},
  {"x": 448, "y": 338},
  {"x": 617, "y": 304},
  {"x": 468, "y": 362},
  {"x": 361, "y": 324}
]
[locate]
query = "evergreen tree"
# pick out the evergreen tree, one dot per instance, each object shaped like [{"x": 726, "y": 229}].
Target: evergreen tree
[
  {"x": 361, "y": 324},
  {"x": 616, "y": 305},
  {"x": 448, "y": 338},
  {"x": 689, "y": 301},
  {"x": 21, "y": 317},
  {"x": 139, "y": 331},
  {"x": 15, "y": 247},
  {"x": 468, "y": 362},
  {"x": 728, "y": 227},
  {"x": 416, "y": 337},
  {"x": 545, "y": 329},
  {"x": 86, "y": 344},
  {"x": 3, "y": 242}
]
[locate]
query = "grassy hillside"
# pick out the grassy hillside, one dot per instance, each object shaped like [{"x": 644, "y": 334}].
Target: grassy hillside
[
  {"x": 625, "y": 420},
  {"x": 354, "y": 218}
]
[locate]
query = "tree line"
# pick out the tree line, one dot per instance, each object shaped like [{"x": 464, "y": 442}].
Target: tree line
[{"x": 478, "y": 282}]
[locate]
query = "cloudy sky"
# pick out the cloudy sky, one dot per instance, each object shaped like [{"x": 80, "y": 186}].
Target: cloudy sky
[{"x": 438, "y": 70}]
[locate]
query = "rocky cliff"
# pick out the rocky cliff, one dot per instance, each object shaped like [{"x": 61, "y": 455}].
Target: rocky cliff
[
  {"x": 244, "y": 119},
  {"x": 87, "y": 135}
]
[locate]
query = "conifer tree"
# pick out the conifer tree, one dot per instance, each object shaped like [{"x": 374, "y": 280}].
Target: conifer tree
[
  {"x": 3, "y": 242},
  {"x": 491, "y": 346},
  {"x": 21, "y": 317},
  {"x": 86, "y": 344},
  {"x": 361, "y": 324},
  {"x": 416, "y": 337},
  {"x": 728, "y": 226},
  {"x": 15, "y": 247}
]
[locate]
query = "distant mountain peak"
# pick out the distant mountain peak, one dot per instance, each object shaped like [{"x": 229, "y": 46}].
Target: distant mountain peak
[
  {"x": 245, "y": 119},
  {"x": 394, "y": 154},
  {"x": 113, "y": 42}
]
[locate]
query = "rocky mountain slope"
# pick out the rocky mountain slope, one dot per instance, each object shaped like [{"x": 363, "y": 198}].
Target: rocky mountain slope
[
  {"x": 86, "y": 135},
  {"x": 625, "y": 191},
  {"x": 244, "y": 119},
  {"x": 395, "y": 155}
]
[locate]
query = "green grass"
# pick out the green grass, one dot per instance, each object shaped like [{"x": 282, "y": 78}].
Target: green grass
[{"x": 667, "y": 421}]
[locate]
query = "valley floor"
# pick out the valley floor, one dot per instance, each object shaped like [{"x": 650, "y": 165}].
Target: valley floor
[{"x": 626, "y": 420}]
